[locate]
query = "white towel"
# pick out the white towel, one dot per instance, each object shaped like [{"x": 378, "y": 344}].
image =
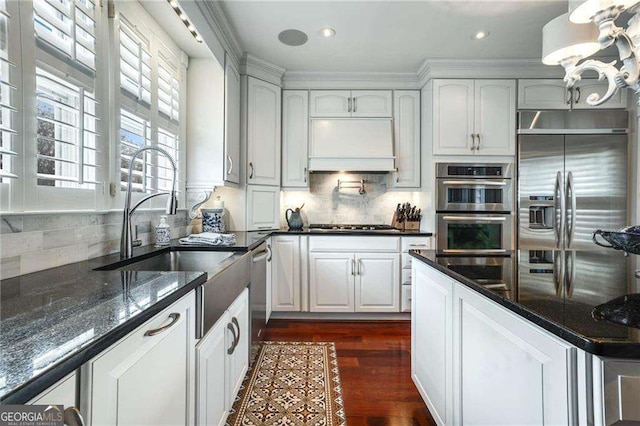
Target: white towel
[{"x": 209, "y": 239}]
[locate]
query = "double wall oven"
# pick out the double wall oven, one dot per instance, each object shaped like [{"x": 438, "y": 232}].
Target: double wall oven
[{"x": 474, "y": 208}]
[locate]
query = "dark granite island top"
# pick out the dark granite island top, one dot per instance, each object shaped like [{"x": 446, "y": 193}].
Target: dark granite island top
[{"x": 567, "y": 313}]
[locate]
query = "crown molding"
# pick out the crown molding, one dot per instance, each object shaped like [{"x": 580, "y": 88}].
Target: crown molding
[
  {"x": 349, "y": 80},
  {"x": 259, "y": 68},
  {"x": 223, "y": 29},
  {"x": 486, "y": 68}
]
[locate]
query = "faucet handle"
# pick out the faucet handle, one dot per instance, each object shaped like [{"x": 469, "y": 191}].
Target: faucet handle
[{"x": 136, "y": 243}]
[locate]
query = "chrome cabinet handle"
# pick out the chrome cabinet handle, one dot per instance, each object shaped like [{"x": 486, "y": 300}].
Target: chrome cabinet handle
[
  {"x": 473, "y": 141},
  {"x": 234, "y": 320},
  {"x": 230, "y": 164},
  {"x": 174, "y": 319},
  {"x": 270, "y": 253},
  {"x": 72, "y": 417},
  {"x": 251, "y": 167},
  {"x": 569, "y": 96},
  {"x": 305, "y": 175},
  {"x": 359, "y": 266},
  {"x": 576, "y": 100},
  {"x": 571, "y": 202},
  {"x": 233, "y": 345},
  {"x": 353, "y": 267},
  {"x": 348, "y": 104},
  {"x": 478, "y": 142},
  {"x": 355, "y": 104}
]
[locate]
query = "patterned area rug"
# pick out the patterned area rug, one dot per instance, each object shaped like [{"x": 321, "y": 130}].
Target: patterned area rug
[{"x": 291, "y": 383}]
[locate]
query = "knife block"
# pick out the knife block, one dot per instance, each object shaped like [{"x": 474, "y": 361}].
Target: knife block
[{"x": 412, "y": 225}]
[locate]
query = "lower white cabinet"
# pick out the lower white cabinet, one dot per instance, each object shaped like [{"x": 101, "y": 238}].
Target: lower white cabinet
[
  {"x": 263, "y": 207},
  {"x": 222, "y": 359},
  {"x": 63, "y": 392},
  {"x": 354, "y": 282},
  {"x": 148, "y": 377},
  {"x": 475, "y": 362},
  {"x": 285, "y": 273}
]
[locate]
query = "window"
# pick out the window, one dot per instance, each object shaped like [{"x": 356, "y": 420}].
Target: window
[
  {"x": 7, "y": 108},
  {"x": 150, "y": 88},
  {"x": 66, "y": 135},
  {"x": 67, "y": 27}
]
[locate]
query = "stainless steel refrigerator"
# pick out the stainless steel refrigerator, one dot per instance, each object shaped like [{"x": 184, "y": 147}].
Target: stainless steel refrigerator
[{"x": 572, "y": 180}]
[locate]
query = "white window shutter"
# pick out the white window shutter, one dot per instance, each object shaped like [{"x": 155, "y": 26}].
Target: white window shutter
[{"x": 7, "y": 89}]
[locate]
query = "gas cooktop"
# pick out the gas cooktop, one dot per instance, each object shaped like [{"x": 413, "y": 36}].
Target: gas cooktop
[{"x": 351, "y": 227}]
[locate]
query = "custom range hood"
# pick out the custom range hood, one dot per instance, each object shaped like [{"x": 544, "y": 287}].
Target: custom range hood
[{"x": 351, "y": 144}]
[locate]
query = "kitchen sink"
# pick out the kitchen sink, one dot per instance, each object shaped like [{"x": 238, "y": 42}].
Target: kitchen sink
[{"x": 174, "y": 261}]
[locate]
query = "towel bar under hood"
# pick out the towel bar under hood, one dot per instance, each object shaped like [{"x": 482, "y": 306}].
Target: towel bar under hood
[{"x": 352, "y": 144}]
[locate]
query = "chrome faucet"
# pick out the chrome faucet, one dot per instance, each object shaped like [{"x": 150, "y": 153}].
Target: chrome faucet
[{"x": 126, "y": 241}]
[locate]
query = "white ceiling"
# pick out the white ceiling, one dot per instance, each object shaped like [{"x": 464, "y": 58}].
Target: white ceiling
[{"x": 390, "y": 36}]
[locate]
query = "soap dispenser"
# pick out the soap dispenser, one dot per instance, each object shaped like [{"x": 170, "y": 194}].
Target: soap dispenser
[{"x": 163, "y": 232}]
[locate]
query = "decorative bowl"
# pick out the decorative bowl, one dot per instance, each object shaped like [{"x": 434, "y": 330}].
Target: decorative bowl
[{"x": 629, "y": 242}]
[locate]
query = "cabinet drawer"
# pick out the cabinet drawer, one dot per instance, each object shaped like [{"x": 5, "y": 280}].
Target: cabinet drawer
[
  {"x": 351, "y": 244},
  {"x": 416, "y": 243}
]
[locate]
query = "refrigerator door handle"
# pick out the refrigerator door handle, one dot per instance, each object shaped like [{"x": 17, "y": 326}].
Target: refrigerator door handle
[
  {"x": 558, "y": 272},
  {"x": 571, "y": 204},
  {"x": 570, "y": 261},
  {"x": 559, "y": 210}
]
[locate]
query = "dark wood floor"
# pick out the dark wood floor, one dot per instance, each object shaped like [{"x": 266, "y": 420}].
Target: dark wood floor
[{"x": 374, "y": 359}]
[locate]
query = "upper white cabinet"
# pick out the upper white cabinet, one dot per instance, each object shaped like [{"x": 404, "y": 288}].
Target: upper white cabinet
[
  {"x": 231, "y": 123},
  {"x": 346, "y": 103},
  {"x": 263, "y": 122},
  {"x": 474, "y": 117},
  {"x": 285, "y": 270},
  {"x": 157, "y": 361},
  {"x": 406, "y": 113},
  {"x": 263, "y": 207},
  {"x": 553, "y": 94},
  {"x": 295, "y": 138}
]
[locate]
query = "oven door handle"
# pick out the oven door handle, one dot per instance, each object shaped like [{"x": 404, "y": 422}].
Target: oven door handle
[
  {"x": 475, "y": 218},
  {"x": 474, "y": 183}
]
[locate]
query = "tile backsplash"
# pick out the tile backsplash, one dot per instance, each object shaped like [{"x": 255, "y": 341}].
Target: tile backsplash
[
  {"x": 324, "y": 203},
  {"x": 30, "y": 243}
]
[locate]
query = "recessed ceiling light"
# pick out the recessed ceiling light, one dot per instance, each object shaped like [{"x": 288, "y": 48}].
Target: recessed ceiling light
[
  {"x": 293, "y": 37},
  {"x": 480, "y": 35},
  {"x": 327, "y": 32}
]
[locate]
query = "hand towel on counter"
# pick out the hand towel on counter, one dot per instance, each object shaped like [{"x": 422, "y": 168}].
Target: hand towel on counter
[{"x": 209, "y": 239}]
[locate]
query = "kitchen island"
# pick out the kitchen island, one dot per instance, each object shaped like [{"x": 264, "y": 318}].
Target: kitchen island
[{"x": 529, "y": 353}]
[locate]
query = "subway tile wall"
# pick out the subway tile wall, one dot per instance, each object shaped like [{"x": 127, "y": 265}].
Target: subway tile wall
[
  {"x": 324, "y": 203},
  {"x": 31, "y": 243}
]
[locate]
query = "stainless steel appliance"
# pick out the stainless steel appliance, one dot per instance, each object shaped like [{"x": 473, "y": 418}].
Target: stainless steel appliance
[
  {"x": 475, "y": 233},
  {"x": 258, "y": 294},
  {"x": 569, "y": 185},
  {"x": 474, "y": 187},
  {"x": 493, "y": 272}
]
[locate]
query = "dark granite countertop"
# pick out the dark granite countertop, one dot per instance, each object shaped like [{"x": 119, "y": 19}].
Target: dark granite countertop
[
  {"x": 566, "y": 312},
  {"x": 53, "y": 321}
]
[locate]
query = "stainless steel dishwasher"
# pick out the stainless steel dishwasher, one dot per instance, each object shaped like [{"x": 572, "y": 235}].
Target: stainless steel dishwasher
[{"x": 258, "y": 291}]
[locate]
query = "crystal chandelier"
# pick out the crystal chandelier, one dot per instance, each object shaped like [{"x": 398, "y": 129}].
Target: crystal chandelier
[{"x": 571, "y": 38}]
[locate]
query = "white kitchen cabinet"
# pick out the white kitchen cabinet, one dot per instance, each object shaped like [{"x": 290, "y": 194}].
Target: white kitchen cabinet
[
  {"x": 148, "y": 377},
  {"x": 553, "y": 94},
  {"x": 222, "y": 358},
  {"x": 406, "y": 123},
  {"x": 346, "y": 103},
  {"x": 475, "y": 362},
  {"x": 331, "y": 282},
  {"x": 211, "y": 355},
  {"x": 238, "y": 335},
  {"x": 285, "y": 270},
  {"x": 330, "y": 103},
  {"x": 270, "y": 261},
  {"x": 263, "y": 121},
  {"x": 295, "y": 138},
  {"x": 63, "y": 392},
  {"x": 231, "y": 123},
  {"x": 432, "y": 341},
  {"x": 474, "y": 117},
  {"x": 377, "y": 282},
  {"x": 263, "y": 207},
  {"x": 508, "y": 370}
]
